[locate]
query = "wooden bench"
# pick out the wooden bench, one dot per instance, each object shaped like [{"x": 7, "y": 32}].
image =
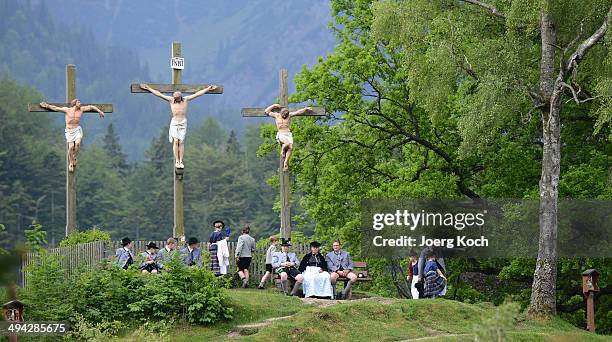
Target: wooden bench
[{"x": 360, "y": 268}]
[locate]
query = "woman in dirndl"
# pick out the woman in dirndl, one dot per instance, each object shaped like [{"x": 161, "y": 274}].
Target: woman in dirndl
[{"x": 215, "y": 237}]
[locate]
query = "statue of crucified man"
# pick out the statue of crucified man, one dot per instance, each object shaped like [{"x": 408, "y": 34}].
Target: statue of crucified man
[
  {"x": 283, "y": 121},
  {"x": 178, "y": 124},
  {"x": 73, "y": 132}
]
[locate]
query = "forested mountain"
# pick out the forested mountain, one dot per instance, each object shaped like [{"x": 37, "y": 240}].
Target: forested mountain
[{"x": 239, "y": 44}]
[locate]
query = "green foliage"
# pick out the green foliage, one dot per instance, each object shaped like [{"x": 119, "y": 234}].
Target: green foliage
[
  {"x": 83, "y": 330},
  {"x": 495, "y": 327},
  {"x": 35, "y": 237},
  {"x": 85, "y": 236},
  {"x": 102, "y": 300},
  {"x": 432, "y": 99},
  {"x": 48, "y": 294}
]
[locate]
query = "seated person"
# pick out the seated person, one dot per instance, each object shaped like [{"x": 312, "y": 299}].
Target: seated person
[
  {"x": 314, "y": 271},
  {"x": 284, "y": 264},
  {"x": 166, "y": 253},
  {"x": 191, "y": 254},
  {"x": 340, "y": 265},
  {"x": 149, "y": 259},
  {"x": 435, "y": 281},
  {"x": 124, "y": 255}
]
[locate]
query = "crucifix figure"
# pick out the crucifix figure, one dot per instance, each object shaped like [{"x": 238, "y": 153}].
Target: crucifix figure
[
  {"x": 283, "y": 121},
  {"x": 282, "y": 115},
  {"x": 178, "y": 124},
  {"x": 73, "y": 131},
  {"x": 72, "y": 109}
]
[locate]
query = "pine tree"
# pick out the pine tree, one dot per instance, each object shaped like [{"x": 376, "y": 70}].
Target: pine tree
[
  {"x": 232, "y": 146},
  {"x": 113, "y": 148}
]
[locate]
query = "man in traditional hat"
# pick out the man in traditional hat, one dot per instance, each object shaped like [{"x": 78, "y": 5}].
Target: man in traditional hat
[
  {"x": 191, "y": 254},
  {"x": 285, "y": 265},
  {"x": 149, "y": 259},
  {"x": 314, "y": 271},
  {"x": 340, "y": 265},
  {"x": 124, "y": 254}
]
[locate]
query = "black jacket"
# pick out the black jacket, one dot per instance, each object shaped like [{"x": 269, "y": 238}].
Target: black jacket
[{"x": 313, "y": 260}]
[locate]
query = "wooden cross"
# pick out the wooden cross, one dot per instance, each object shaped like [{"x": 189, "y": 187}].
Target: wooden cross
[
  {"x": 176, "y": 85},
  {"x": 71, "y": 207},
  {"x": 283, "y": 94}
]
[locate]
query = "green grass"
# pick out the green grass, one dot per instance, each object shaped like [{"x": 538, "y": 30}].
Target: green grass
[{"x": 375, "y": 319}]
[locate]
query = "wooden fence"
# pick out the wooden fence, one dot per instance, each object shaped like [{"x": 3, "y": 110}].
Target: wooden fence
[
  {"x": 90, "y": 254},
  {"x": 72, "y": 258}
]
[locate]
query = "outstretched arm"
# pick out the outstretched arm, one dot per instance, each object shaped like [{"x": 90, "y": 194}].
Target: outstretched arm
[
  {"x": 301, "y": 111},
  {"x": 92, "y": 107},
  {"x": 53, "y": 108},
  {"x": 155, "y": 92},
  {"x": 270, "y": 110},
  {"x": 200, "y": 93}
]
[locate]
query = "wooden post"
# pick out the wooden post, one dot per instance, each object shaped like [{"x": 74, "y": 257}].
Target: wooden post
[
  {"x": 285, "y": 215},
  {"x": 178, "y": 230},
  {"x": 283, "y": 100},
  {"x": 590, "y": 285},
  {"x": 590, "y": 312},
  {"x": 71, "y": 205},
  {"x": 179, "y": 213}
]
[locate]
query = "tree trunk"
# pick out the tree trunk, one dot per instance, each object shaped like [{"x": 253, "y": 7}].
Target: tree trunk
[{"x": 543, "y": 293}]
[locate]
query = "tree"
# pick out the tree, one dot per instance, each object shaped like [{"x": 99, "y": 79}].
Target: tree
[
  {"x": 512, "y": 32},
  {"x": 114, "y": 150}
]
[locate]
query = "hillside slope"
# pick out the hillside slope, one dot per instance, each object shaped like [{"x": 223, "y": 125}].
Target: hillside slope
[{"x": 374, "y": 319}]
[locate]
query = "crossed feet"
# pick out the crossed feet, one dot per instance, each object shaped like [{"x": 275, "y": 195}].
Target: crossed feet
[
  {"x": 179, "y": 164},
  {"x": 71, "y": 167}
]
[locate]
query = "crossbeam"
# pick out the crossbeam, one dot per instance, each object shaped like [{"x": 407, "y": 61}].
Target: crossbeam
[
  {"x": 105, "y": 107},
  {"x": 257, "y": 112},
  {"x": 171, "y": 88}
]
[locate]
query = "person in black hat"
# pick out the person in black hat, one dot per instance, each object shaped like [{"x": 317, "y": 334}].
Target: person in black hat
[
  {"x": 226, "y": 231},
  {"x": 124, "y": 254},
  {"x": 313, "y": 266},
  {"x": 149, "y": 259},
  {"x": 191, "y": 254},
  {"x": 285, "y": 265}
]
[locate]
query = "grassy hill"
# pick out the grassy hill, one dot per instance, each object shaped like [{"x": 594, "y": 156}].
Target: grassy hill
[{"x": 269, "y": 316}]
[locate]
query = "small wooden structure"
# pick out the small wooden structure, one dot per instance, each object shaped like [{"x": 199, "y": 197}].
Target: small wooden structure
[
  {"x": 590, "y": 285},
  {"x": 13, "y": 311}
]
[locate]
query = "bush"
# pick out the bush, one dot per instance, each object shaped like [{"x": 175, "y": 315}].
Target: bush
[
  {"x": 47, "y": 296},
  {"x": 86, "y": 236},
  {"x": 95, "y": 299}
]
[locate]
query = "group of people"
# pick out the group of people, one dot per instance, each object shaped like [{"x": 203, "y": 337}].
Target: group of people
[
  {"x": 317, "y": 274},
  {"x": 152, "y": 260},
  {"x": 426, "y": 274}
]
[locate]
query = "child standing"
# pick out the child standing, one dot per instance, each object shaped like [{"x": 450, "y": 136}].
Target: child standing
[
  {"x": 269, "y": 252},
  {"x": 435, "y": 281}
]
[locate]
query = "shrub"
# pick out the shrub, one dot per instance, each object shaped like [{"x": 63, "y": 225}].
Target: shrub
[
  {"x": 47, "y": 296},
  {"x": 86, "y": 236},
  {"x": 95, "y": 299}
]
